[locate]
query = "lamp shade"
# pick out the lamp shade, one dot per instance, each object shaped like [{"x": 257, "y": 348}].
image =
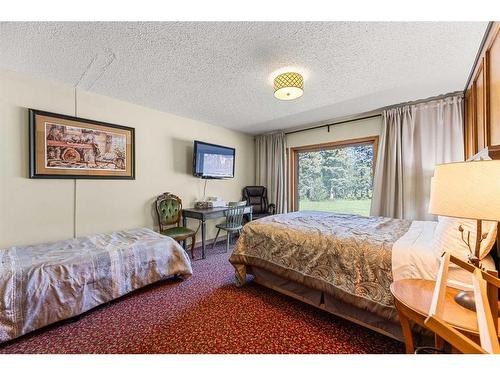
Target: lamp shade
[
  {"x": 469, "y": 190},
  {"x": 288, "y": 86}
]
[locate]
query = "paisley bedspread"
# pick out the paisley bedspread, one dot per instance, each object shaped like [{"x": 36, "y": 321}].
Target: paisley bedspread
[
  {"x": 46, "y": 283},
  {"x": 347, "y": 256}
]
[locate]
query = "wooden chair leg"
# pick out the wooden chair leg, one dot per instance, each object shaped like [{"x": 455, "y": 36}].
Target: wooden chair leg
[
  {"x": 227, "y": 241},
  {"x": 193, "y": 242}
]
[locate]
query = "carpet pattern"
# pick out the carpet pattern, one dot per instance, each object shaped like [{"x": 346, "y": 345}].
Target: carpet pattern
[{"x": 205, "y": 314}]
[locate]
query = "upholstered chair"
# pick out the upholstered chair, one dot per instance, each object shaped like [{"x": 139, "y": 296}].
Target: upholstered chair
[
  {"x": 169, "y": 211},
  {"x": 256, "y": 196}
]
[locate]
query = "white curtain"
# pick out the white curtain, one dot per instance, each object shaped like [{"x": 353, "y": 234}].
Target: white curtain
[
  {"x": 270, "y": 167},
  {"x": 414, "y": 139}
]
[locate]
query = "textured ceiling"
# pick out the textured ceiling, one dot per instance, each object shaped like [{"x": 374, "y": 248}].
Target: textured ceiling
[{"x": 221, "y": 72}]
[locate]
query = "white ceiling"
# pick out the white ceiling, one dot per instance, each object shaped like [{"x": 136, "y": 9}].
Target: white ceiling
[{"x": 221, "y": 72}]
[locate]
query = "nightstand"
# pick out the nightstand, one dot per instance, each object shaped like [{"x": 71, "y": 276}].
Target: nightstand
[{"x": 412, "y": 299}]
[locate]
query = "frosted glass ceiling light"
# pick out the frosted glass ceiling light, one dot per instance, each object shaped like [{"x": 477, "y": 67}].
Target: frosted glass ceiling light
[{"x": 288, "y": 86}]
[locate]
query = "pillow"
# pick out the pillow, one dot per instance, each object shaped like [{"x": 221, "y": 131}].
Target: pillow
[
  {"x": 481, "y": 155},
  {"x": 447, "y": 237}
]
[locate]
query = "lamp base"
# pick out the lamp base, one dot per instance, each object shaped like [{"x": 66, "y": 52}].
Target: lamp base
[{"x": 466, "y": 299}]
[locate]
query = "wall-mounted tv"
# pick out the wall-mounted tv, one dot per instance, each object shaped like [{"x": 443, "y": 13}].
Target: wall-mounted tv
[{"x": 213, "y": 161}]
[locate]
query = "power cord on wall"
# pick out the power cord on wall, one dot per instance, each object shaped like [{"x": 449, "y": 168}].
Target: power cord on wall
[
  {"x": 204, "y": 198},
  {"x": 205, "y": 190}
]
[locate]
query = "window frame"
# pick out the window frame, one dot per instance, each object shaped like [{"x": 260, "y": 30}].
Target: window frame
[{"x": 293, "y": 162}]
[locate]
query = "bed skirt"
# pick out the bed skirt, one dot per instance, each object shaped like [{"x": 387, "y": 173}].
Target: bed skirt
[{"x": 329, "y": 303}]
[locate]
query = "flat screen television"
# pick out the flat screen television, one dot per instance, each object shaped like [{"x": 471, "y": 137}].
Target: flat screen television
[{"x": 213, "y": 161}]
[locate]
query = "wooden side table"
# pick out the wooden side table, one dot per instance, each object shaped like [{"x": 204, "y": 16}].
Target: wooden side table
[{"x": 412, "y": 299}]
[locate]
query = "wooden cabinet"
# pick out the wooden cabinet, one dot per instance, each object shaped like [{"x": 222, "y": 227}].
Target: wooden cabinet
[
  {"x": 493, "y": 65},
  {"x": 469, "y": 130},
  {"x": 482, "y": 98}
]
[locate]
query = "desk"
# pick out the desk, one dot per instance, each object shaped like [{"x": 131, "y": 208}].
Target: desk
[
  {"x": 203, "y": 215},
  {"x": 412, "y": 299}
]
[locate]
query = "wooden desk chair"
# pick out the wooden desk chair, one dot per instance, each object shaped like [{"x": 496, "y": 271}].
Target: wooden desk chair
[
  {"x": 485, "y": 286},
  {"x": 169, "y": 211},
  {"x": 234, "y": 221}
]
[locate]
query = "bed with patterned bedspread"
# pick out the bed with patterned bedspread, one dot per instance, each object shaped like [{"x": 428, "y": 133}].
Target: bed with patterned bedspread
[{"x": 347, "y": 257}]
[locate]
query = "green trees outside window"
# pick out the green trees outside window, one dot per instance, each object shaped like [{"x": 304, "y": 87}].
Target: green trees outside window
[{"x": 338, "y": 179}]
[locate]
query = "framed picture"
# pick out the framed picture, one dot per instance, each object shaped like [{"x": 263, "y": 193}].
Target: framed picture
[{"x": 71, "y": 147}]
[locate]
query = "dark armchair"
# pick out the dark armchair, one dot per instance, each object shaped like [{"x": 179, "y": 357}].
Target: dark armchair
[{"x": 256, "y": 196}]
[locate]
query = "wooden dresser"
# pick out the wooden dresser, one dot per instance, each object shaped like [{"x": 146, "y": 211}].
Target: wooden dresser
[{"x": 482, "y": 98}]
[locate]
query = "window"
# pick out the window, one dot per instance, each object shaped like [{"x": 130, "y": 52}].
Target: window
[{"x": 335, "y": 177}]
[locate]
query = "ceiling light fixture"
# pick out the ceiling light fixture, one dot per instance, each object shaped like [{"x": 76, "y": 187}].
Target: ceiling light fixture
[{"x": 288, "y": 86}]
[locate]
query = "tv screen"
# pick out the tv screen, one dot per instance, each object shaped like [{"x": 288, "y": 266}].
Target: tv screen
[{"x": 213, "y": 161}]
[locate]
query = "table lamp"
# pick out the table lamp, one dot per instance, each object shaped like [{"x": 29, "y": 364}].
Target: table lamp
[{"x": 467, "y": 190}]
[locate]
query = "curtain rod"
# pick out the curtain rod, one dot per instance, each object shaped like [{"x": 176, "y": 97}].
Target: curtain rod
[
  {"x": 332, "y": 124},
  {"x": 414, "y": 102},
  {"x": 421, "y": 101}
]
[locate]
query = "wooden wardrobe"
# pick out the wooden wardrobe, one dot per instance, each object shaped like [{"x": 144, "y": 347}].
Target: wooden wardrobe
[{"x": 482, "y": 98}]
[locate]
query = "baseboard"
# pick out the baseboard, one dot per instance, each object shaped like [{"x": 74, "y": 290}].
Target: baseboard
[{"x": 211, "y": 241}]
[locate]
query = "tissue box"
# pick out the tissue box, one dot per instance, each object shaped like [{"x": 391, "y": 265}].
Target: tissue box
[
  {"x": 219, "y": 204},
  {"x": 203, "y": 205}
]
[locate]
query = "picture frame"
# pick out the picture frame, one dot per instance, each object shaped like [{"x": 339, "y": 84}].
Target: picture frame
[{"x": 67, "y": 147}]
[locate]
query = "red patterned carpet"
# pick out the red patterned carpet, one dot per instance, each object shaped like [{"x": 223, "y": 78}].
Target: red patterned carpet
[{"x": 205, "y": 314}]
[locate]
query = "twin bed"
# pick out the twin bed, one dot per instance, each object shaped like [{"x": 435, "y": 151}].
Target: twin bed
[
  {"x": 343, "y": 264},
  {"x": 46, "y": 283}
]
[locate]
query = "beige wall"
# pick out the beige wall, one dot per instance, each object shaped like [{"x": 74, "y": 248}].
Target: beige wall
[
  {"x": 33, "y": 211},
  {"x": 351, "y": 130}
]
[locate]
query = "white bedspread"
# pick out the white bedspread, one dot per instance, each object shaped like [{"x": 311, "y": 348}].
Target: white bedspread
[
  {"x": 46, "y": 283},
  {"x": 414, "y": 258}
]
